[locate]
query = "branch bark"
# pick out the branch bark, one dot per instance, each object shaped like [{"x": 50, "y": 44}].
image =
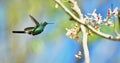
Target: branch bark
[
  {"x": 107, "y": 36},
  {"x": 84, "y": 44}
]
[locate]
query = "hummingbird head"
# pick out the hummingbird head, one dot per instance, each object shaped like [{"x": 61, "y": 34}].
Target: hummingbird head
[{"x": 45, "y": 23}]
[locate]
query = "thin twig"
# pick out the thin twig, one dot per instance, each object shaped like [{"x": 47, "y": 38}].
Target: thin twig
[
  {"x": 83, "y": 29},
  {"x": 68, "y": 11},
  {"x": 76, "y": 8},
  {"x": 115, "y": 30}
]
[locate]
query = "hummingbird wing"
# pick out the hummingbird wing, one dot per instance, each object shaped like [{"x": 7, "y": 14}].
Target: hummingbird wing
[
  {"x": 34, "y": 20},
  {"x": 29, "y": 28}
]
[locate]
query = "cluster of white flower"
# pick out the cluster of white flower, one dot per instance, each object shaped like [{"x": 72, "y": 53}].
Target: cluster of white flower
[
  {"x": 79, "y": 55},
  {"x": 96, "y": 20},
  {"x": 73, "y": 32}
]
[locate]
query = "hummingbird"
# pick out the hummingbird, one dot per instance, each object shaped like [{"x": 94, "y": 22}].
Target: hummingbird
[{"x": 37, "y": 29}]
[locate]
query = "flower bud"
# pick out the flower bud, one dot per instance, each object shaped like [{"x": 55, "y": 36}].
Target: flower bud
[{"x": 109, "y": 12}]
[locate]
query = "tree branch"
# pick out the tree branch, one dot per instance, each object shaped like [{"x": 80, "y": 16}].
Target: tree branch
[
  {"x": 68, "y": 11},
  {"x": 84, "y": 44},
  {"x": 107, "y": 36},
  {"x": 76, "y": 8}
]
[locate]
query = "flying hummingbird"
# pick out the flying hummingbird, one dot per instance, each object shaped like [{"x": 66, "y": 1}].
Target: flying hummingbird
[{"x": 37, "y": 29}]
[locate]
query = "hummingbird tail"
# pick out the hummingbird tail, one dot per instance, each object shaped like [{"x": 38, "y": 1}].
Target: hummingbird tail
[{"x": 18, "y": 31}]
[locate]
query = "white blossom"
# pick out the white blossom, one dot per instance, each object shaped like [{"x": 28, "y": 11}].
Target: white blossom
[
  {"x": 73, "y": 32},
  {"x": 109, "y": 23},
  {"x": 94, "y": 15},
  {"x": 109, "y": 12},
  {"x": 79, "y": 55},
  {"x": 115, "y": 11},
  {"x": 56, "y": 5},
  {"x": 99, "y": 19}
]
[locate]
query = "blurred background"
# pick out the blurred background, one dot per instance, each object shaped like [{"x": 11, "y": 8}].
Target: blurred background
[{"x": 51, "y": 46}]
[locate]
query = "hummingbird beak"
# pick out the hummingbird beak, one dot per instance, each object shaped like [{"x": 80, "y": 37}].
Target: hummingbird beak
[{"x": 50, "y": 23}]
